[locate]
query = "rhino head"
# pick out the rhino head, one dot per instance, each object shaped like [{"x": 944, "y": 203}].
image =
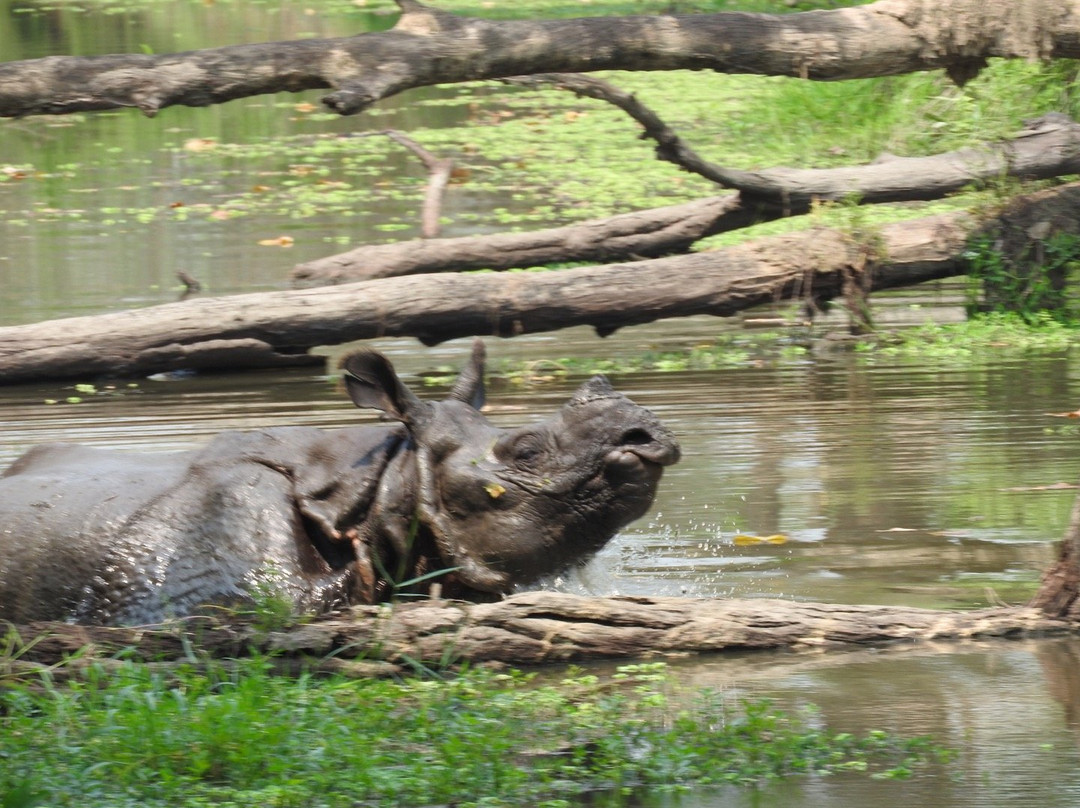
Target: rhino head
[{"x": 502, "y": 507}]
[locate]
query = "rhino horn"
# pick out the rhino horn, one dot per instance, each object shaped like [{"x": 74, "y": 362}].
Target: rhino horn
[{"x": 595, "y": 389}]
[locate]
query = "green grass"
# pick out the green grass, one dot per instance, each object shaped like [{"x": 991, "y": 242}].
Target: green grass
[{"x": 248, "y": 738}]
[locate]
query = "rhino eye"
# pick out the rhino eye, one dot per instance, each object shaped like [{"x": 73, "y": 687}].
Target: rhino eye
[{"x": 526, "y": 450}]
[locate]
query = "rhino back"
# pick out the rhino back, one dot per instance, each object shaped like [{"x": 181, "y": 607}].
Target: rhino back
[
  {"x": 109, "y": 537},
  {"x": 59, "y": 506}
]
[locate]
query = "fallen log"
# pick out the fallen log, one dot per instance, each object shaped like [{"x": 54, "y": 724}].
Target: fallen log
[
  {"x": 208, "y": 333},
  {"x": 255, "y": 330},
  {"x": 628, "y": 236},
  {"x": 531, "y": 628},
  {"x": 428, "y": 47},
  {"x": 1048, "y": 146}
]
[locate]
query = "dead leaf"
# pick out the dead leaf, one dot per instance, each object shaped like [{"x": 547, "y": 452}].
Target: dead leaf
[
  {"x": 1061, "y": 486},
  {"x": 220, "y": 215},
  {"x": 745, "y": 540},
  {"x": 494, "y": 490},
  {"x": 280, "y": 241},
  {"x": 200, "y": 144},
  {"x": 260, "y": 189},
  {"x": 305, "y": 107},
  {"x": 1073, "y": 414}
]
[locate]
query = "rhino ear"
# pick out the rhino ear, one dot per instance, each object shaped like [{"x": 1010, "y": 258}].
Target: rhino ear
[
  {"x": 469, "y": 386},
  {"x": 371, "y": 382}
]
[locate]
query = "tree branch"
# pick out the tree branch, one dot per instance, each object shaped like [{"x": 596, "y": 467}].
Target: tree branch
[
  {"x": 438, "y": 168},
  {"x": 427, "y": 47}
]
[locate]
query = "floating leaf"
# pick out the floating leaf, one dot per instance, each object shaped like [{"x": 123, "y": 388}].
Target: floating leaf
[
  {"x": 280, "y": 241},
  {"x": 745, "y": 540},
  {"x": 1074, "y": 414},
  {"x": 494, "y": 490},
  {"x": 200, "y": 144}
]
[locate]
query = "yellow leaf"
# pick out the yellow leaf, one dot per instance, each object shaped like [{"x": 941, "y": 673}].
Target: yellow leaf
[
  {"x": 494, "y": 490},
  {"x": 745, "y": 540},
  {"x": 198, "y": 144},
  {"x": 280, "y": 241}
]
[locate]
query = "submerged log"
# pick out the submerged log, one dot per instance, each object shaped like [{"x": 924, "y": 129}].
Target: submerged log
[{"x": 530, "y": 628}]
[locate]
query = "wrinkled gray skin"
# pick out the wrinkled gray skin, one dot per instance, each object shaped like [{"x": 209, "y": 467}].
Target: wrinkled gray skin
[{"x": 327, "y": 517}]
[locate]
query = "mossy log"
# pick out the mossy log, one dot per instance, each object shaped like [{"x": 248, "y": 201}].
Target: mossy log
[{"x": 531, "y": 628}]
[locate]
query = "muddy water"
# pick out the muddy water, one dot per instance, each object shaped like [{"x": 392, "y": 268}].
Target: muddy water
[{"x": 820, "y": 479}]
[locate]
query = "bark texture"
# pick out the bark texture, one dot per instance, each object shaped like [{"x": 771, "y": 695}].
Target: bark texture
[
  {"x": 530, "y": 629},
  {"x": 281, "y": 326},
  {"x": 1059, "y": 593},
  {"x": 429, "y": 47},
  {"x": 1049, "y": 146}
]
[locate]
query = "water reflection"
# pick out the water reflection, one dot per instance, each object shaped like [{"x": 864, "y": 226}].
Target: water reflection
[{"x": 1007, "y": 708}]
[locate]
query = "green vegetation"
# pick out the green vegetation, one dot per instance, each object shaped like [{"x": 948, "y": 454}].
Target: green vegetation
[
  {"x": 244, "y": 737},
  {"x": 983, "y": 338},
  {"x": 1032, "y": 281},
  {"x": 980, "y": 338}
]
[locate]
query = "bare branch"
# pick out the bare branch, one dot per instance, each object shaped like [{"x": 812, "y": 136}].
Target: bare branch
[{"x": 439, "y": 169}]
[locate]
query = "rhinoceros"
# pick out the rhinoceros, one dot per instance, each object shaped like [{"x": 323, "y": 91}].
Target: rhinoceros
[{"x": 327, "y": 518}]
